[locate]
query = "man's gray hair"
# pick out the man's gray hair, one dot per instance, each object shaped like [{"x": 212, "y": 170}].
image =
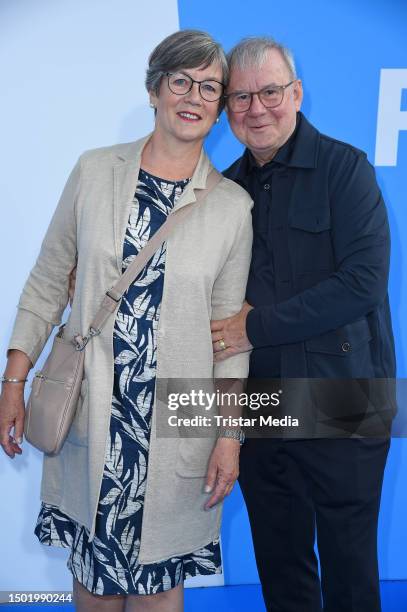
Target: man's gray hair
[
  {"x": 252, "y": 52},
  {"x": 184, "y": 49}
]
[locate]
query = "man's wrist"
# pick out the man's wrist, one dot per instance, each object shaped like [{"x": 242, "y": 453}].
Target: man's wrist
[
  {"x": 259, "y": 326},
  {"x": 253, "y": 332}
]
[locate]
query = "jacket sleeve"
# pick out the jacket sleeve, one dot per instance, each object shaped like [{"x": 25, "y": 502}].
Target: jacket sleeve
[
  {"x": 45, "y": 293},
  {"x": 229, "y": 292},
  {"x": 361, "y": 243}
]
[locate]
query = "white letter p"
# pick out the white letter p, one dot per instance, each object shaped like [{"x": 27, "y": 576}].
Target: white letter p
[{"x": 390, "y": 119}]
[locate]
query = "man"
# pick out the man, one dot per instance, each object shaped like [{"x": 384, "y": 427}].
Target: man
[{"x": 317, "y": 307}]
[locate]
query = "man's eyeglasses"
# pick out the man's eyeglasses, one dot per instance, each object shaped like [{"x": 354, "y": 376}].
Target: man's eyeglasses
[
  {"x": 270, "y": 96},
  {"x": 180, "y": 84}
]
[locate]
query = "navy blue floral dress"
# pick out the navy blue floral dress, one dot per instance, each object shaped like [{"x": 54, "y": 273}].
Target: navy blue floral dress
[{"x": 109, "y": 564}]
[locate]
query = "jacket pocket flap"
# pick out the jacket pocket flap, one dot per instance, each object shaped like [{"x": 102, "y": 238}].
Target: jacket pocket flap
[
  {"x": 312, "y": 220},
  {"x": 342, "y": 341}
]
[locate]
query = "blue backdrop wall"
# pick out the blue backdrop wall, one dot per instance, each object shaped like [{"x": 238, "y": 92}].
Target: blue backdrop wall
[{"x": 352, "y": 58}]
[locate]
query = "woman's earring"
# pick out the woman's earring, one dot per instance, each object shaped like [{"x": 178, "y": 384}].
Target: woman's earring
[
  {"x": 152, "y": 105},
  {"x": 217, "y": 119}
]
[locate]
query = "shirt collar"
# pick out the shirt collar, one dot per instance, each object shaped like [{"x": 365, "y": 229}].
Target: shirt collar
[
  {"x": 299, "y": 151},
  {"x": 281, "y": 157}
]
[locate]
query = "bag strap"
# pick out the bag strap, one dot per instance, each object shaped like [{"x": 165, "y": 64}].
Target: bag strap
[{"x": 115, "y": 293}]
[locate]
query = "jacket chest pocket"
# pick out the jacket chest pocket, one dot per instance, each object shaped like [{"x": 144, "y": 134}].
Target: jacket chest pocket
[{"x": 311, "y": 244}]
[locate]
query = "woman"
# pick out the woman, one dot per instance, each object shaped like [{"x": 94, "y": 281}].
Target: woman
[{"x": 131, "y": 505}]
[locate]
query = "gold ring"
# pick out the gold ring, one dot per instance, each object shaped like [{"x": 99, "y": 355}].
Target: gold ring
[{"x": 222, "y": 344}]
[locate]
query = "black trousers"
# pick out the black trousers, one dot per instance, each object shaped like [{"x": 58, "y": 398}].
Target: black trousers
[{"x": 297, "y": 489}]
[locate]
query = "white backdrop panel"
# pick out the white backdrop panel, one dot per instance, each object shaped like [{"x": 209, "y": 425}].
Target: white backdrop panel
[{"x": 72, "y": 79}]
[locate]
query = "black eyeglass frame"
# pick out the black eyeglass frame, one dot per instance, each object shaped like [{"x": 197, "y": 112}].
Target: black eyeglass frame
[
  {"x": 281, "y": 88},
  {"x": 170, "y": 74}
]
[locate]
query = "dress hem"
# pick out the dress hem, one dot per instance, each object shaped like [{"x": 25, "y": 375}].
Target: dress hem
[{"x": 185, "y": 576}]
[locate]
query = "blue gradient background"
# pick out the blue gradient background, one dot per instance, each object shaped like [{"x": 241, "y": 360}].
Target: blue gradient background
[{"x": 340, "y": 48}]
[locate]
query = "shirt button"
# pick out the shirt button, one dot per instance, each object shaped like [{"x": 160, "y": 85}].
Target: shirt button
[
  {"x": 266, "y": 187},
  {"x": 346, "y": 347}
]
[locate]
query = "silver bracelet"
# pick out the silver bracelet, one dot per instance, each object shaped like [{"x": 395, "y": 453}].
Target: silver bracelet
[
  {"x": 13, "y": 380},
  {"x": 235, "y": 434}
]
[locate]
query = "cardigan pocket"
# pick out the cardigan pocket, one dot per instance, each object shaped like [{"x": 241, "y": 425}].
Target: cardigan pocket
[{"x": 193, "y": 456}]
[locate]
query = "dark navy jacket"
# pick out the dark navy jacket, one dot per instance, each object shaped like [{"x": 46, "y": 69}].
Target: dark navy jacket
[{"x": 330, "y": 316}]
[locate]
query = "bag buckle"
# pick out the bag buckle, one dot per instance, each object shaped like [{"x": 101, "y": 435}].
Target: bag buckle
[
  {"x": 81, "y": 341},
  {"x": 114, "y": 295}
]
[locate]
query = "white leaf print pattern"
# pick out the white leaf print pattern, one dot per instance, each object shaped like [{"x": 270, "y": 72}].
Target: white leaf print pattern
[
  {"x": 111, "y": 520},
  {"x": 148, "y": 371},
  {"x": 166, "y": 580},
  {"x": 139, "y": 233},
  {"x": 133, "y": 560},
  {"x": 147, "y": 277},
  {"x": 159, "y": 201},
  {"x": 100, "y": 556},
  {"x": 123, "y": 381},
  {"x": 124, "y": 357},
  {"x": 127, "y": 536},
  {"x": 141, "y": 304},
  {"x": 126, "y": 328},
  {"x": 144, "y": 400}
]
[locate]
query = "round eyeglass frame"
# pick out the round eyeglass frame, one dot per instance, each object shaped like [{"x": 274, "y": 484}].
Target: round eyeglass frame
[
  {"x": 170, "y": 74},
  {"x": 281, "y": 88}
]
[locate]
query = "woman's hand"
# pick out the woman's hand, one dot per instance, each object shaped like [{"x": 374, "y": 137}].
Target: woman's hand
[
  {"x": 223, "y": 470},
  {"x": 72, "y": 282},
  {"x": 12, "y": 413}
]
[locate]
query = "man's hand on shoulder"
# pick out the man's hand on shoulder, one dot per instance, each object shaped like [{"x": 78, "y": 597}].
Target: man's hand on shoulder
[{"x": 229, "y": 335}]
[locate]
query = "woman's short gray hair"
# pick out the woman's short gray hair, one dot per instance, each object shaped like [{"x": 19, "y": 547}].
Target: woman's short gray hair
[
  {"x": 252, "y": 52},
  {"x": 184, "y": 49}
]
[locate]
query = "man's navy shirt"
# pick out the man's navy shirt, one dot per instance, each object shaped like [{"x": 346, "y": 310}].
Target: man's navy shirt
[{"x": 261, "y": 290}]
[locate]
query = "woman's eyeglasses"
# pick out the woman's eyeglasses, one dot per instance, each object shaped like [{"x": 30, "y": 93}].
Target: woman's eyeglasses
[{"x": 180, "y": 84}]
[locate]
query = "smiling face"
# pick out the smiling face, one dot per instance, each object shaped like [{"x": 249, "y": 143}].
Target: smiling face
[
  {"x": 264, "y": 130},
  {"x": 187, "y": 117}
]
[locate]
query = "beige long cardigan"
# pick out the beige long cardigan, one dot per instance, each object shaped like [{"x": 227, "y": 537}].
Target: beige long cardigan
[{"x": 207, "y": 262}]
